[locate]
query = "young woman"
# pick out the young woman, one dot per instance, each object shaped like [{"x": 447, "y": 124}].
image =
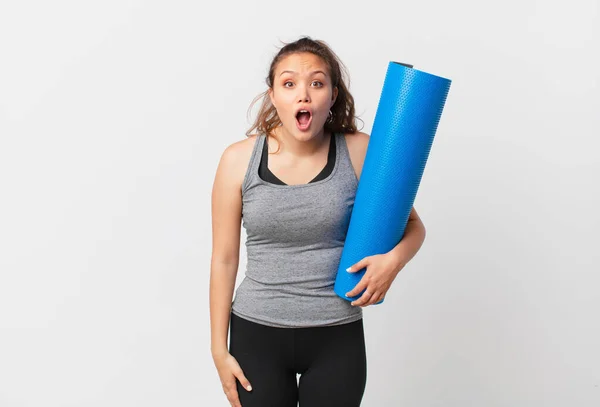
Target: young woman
[{"x": 292, "y": 186}]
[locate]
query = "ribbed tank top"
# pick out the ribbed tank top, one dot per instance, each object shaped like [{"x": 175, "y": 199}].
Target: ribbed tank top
[{"x": 295, "y": 237}]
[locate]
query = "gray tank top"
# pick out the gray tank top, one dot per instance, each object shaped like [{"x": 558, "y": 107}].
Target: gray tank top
[{"x": 295, "y": 237}]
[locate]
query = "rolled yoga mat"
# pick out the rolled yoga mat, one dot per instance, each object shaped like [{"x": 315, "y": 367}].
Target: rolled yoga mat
[{"x": 406, "y": 120}]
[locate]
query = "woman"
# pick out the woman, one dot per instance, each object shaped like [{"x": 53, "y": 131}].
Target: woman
[{"x": 295, "y": 206}]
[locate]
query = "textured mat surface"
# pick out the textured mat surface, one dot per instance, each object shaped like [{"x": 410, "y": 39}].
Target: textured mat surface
[{"x": 407, "y": 117}]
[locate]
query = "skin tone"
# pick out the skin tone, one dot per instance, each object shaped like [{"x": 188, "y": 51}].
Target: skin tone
[{"x": 302, "y": 80}]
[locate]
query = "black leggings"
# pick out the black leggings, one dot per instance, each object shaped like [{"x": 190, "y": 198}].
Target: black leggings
[{"x": 331, "y": 360}]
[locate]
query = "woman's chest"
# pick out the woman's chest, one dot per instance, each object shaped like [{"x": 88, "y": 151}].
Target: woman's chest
[{"x": 297, "y": 215}]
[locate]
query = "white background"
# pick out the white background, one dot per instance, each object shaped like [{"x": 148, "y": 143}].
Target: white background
[{"x": 113, "y": 117}]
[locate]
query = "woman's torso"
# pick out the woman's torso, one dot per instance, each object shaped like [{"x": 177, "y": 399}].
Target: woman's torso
[{"x": 295, "y": 236}]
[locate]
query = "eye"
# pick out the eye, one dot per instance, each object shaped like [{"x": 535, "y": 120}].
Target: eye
[{"x": 319, "y": 82}]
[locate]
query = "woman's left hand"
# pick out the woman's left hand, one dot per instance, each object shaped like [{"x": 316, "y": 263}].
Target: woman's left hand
[{"x": 381, "y": 271}]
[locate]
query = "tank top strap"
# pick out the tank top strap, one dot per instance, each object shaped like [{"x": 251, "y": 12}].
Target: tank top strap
[
  {"x": 344, "y": 163},
  {"x": 252, "y": 170}
]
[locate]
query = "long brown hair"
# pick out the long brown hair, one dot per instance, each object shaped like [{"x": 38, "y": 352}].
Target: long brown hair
[{"x": 342, "y": 118}]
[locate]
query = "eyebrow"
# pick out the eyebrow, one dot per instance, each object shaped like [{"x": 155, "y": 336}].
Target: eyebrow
[{"x": 312, "y": 73}]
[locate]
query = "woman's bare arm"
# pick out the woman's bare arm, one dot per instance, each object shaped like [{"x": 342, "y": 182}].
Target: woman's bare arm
[{"x": 226, "y": 224}]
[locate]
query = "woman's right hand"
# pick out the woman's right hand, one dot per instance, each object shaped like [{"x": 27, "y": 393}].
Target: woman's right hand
[{"x": 229, "y": 369}]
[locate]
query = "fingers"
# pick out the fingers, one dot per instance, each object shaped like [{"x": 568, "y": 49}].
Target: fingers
[
  {"x": 359, "y": 266},
  {"x": 376, "y": 299},
  {"x": 243, "y": 380},
  {"x": 365, "y": 299},
  {"x": 231, "y": 388},
  {"x": 232, "y": 394},
  {"x": 364, "y": 281},
  {"x": 361, "y": 286},
  {"x": 368, "y": 299}
]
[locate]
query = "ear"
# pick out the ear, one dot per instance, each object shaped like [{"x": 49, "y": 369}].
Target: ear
[
  {"x": 270, "y": 91},
  {"x": 334, "y": 96}
]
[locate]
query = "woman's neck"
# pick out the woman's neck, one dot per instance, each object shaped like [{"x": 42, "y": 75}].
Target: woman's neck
[{"x": 301, "y": 148}]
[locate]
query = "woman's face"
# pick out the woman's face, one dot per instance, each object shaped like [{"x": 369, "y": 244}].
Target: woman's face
[{"x": 302, "y": 82}]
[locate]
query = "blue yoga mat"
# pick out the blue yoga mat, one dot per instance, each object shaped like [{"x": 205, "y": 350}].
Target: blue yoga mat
[{"x": 406, "y": 120}]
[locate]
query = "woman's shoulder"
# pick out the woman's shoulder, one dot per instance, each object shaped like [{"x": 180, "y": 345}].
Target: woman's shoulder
[
  {"x": 236, "y": 157},
  {"x": 357, "y": 140},
  {"x": 245, "y": 146}
]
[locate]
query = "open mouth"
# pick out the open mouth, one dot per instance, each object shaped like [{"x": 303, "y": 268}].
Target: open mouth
[{"x": 303, "y": 119}]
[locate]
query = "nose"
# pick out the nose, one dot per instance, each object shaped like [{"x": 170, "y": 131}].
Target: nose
[{"x": 303, "y": 94}]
